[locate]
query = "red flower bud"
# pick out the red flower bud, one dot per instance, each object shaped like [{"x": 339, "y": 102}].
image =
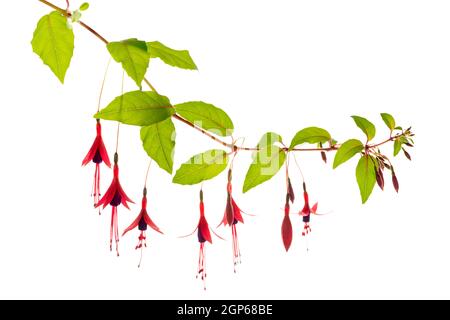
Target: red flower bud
[
  {"x": 286, "y": 227},
  {"x": 324, "y": 156},
  {"x": 380, "y": 178},
  {"x": 395, "y": 181}
]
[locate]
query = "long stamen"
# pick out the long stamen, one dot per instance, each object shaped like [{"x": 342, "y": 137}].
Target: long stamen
[
  {"x": 307, "y": 244},
  {"x": 204, "y": 267},
  {"x": 116, "y": 231},
  {"x": 305, "y": 233},
  {"x": 93, "y": 183},
  {"x": 96, "y": 186},
  {"x": 111, "y": 230},
  {"x": 141, "y": 244},
  {"x": 98, "y": 189},
  {"x": 236, "y": 250},
  {"x": 201, "y": 264},
  {"x": 140, "y": 259},
  {"x": 306, "y": 229}
]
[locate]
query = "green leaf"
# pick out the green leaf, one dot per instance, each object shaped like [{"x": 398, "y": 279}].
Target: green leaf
[
  {"x": 366, "y": 126},
  {"x": 397, "y": 147},
  {"x": 158, "y": 141},
  {"x": 366, "y": 177},
  {"x": 133, "y": 55},
  {"x": 266, "y": 164},
  {"x": 138, "y": 108},
  {"x": 84, "y": 6},
  {"x": 206, "y": 116},
  {"x": 268, "y": 139},
  {"x": 53, "y": 41},
  {"x": 347, "y": 150},
  {"x": 176, "y": 58},
  {"x": 310, "y": 135},
  {"x": 201, "y": 167},
  {"x": 389, "y": 120}
]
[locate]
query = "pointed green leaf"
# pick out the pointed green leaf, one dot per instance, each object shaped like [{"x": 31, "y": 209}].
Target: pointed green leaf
[
  {"x": 266, "y": 164},
  {"x": 366, "y": 177},
  {"x": 310, "y": 135},
  {"x": 398, "y": 144},
  {"x": 366, "y": 126},
  {"x": 346, "y": 151},
  {"x": 397, "y": 147},
  {"x": 268, "y": 139},
  {"x": 133, "y": 55},
  {"x": 138, "y": 108},
  {"x": 53, "y": 41},
  {"x": 158, "y": 141},
  {"x": 176, "y": 58},
  {"x": 201, "y": 167},
  {"x": 206, "y": 116},
  {"x": 389, "y": 120},
  {"x": 84, "y": 6}
]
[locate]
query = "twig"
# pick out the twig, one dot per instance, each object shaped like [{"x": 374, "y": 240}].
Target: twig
[{"x": 204, "y": 132}]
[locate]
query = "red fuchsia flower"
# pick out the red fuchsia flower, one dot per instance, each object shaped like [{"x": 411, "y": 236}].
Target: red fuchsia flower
[
  {"x": 97, "y": 154},
  {"x": 307, "y": 211},
  {"x": 203, "y": 235},
  {"x": 142, "y": 221},
  {"x": 114, "y": 196},
  {"x": 286, "y": 227},
  {"x": 232, "y": 216}
]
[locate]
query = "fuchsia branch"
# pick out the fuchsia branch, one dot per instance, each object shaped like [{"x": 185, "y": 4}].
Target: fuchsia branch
[
  {"x": 153, "y": 113},
  {"x": 192, "y": 125}
]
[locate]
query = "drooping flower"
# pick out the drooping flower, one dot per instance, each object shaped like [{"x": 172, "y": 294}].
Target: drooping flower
[
  {"x": 307, "y": 211},
  {"x": 203, "y": 235},
  {"x": 114, "y": 196},
  {"x": 286, "y": 227},
  {"x": 97, "y": 154},
  {"x": 232, "y": 216},
  {"x": 142, "y": 221}
]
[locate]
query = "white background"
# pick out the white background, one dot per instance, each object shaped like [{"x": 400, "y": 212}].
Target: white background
[{"x": 272, "y": 65}]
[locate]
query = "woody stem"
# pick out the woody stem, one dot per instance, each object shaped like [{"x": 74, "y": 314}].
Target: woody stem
[{"x": 187, "y": 122}]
